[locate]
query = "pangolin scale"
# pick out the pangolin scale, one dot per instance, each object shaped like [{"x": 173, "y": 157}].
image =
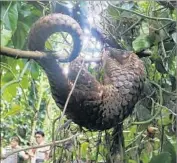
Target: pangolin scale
[{"x": 94, "y": 105}]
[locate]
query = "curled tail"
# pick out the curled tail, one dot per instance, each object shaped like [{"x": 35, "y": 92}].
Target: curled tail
[{"x": 50, "y": 24}]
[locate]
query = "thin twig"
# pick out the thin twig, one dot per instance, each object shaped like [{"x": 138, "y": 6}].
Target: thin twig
[
  {"x": 37, "y": 108},
  {"x": 160, "y": 104},
  {"x": 134, "y": 140},
  {"x": 171, "y": 112},
  {"x": 162, "y": 27},
  {"x": 67, "y": 101},
  {"x": 39, "y": 146},
  {"x": 70, "y": 93},
  {"x": 66, "y": 124},
  {"x": 157, "y": 85},
  {"x": 141, "y": 15},
  {"x": 132, "y": 26},
  {"x": 53, "y": 137}
]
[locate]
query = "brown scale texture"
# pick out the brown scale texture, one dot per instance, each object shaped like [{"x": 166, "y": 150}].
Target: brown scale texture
[{"x": 92, "y": 105}]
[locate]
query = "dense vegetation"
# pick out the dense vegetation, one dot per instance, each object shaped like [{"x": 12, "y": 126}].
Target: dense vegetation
[{"x": 27, "y": 105}]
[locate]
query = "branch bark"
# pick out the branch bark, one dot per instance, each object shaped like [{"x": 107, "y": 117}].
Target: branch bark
[{"x": 17, "y": 53}]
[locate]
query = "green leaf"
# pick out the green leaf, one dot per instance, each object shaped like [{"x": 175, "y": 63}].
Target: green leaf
[
  {"x": 13, "y": 16},
  {"x": 48, "y": 45},
  {"x": 168, "y": 147},
  {"x": 7, "y": 77},
  {"x": 10, "y": 92},
  {"x": 84, "y": 147},
  {"x": 142, "y": 42},
  {"x": 174, "y": 14},
  {"x": 161, "y": 158},
  {"x": 144, "y": 5},
  {"x": 148, "y": 89},
  {"x": 132, "y": 161},
  {"x": 34, "y": 69},
  {"x": 169, "y": 46},
  {"x": 144, "y": 30},
  {"x": 9, "y": 15},
  {"x": 25, "y": 81},
  {"x": 5, "y": 36},
  {"x": 20, "y": 34},
  {"x": 126, "y": 14},
  {"x": 145, "y": 156},
  {"x": 165, "y": 115},
  {"x": 113, "y": 13},
  {"x": 174, "y": 36},
  {"x": 12, "y": 63},
  {"x": 142, "y": 113},
  {"x": 160, "y": 66},
  {"x": 15, "y": 109},
  {"x": 29, "y": 13}
]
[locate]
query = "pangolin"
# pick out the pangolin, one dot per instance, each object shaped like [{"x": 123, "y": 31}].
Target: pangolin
[{"x": 94, "y": 105}]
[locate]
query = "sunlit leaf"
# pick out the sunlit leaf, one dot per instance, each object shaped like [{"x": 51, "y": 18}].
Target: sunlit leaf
[
  {"x": 131, "y": 161},
  {"x": 144, "y": 30},
  {"x": 165, "y": 115},
  {"x": 145, "y": 156},
  {"x": 84, "y": 147},
  {"x": 143, "y": 4},
  {"x": 142, "y": 42},
  {"x": 15, "y": 109},
  {"x": 5, "y": 36},
  {"x": 48, "y": 45},
  {"x": 9, "y": 92},
  {"x": 25, "y": 81},
  {"x": 174, "y": 36}
]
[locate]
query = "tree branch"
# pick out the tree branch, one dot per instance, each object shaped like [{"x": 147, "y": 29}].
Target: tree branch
[{"x": 16, "y": 53}]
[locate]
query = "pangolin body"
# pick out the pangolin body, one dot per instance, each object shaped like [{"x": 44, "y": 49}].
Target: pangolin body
[{"x": 92, "y": 105}]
